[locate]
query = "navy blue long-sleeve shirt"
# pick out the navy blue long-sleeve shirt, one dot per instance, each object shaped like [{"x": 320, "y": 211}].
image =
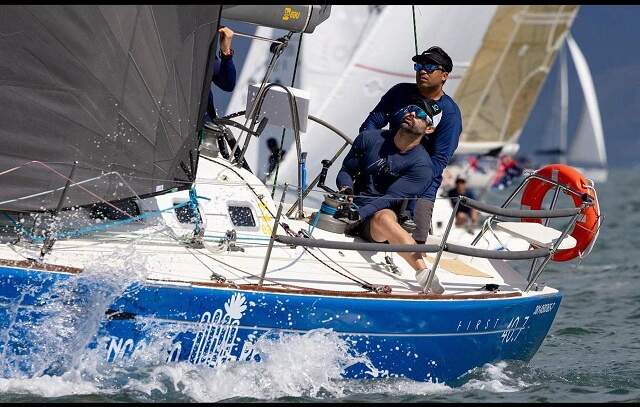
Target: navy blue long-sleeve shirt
[
  {"x": 224, "y": 77},
  {"x": 380, "y": 174},
  {"x": 440, "y": 145}
]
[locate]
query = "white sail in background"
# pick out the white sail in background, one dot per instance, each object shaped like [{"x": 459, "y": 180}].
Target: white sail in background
[
  {"x": 383, "y": 60},
  {"x": 587, "y": 147},
  {"x": 323, "y": 58}
]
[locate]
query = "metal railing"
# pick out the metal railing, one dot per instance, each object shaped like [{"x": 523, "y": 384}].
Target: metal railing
[{"x": 533, "y": 253}]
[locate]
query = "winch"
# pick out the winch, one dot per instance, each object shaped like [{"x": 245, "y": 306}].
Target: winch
[
  {"x": 336, "y": 211},
  {"x": 325, "y": 218}
]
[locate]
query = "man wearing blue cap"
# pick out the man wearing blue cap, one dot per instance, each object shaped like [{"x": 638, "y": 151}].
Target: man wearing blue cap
[
  {"x": 432, "y": 70},
  {"x": 382, "y": 169}
]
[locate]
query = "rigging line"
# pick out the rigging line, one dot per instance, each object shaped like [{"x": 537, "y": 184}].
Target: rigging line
[
  {"x": 363, "y": 283},
  {"x": 213, "y": 273},
  {"x": 293, "y": 81},
  {"x": 415, "y": 34},
  {"x": 73, "y": 184},
  {"x": 275, "y": 282},
  {"x": 253, "y": 114}
]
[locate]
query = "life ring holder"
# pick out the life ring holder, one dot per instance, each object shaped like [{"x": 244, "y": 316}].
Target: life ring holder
[{"x": 583, "y": 194}]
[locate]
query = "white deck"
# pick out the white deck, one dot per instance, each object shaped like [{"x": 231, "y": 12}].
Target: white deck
[{"x": 158, "y": 238}]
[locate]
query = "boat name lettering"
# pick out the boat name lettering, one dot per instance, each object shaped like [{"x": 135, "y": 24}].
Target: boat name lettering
[
  {"x": 477, "y": 324},
  {"x": 541, "y": 309}
]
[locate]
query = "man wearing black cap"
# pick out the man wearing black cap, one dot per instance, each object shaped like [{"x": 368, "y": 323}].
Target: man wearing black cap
[{"x": 432, "y": 70}]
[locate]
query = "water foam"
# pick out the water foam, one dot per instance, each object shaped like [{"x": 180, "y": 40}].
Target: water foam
[
  {"x": 56, "y": 332},
  {"x": 291, "y": 365},
  {"x": 495, "y": 378}
]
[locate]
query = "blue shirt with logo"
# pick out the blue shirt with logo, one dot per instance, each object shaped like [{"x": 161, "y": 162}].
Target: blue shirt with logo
[
  {"x": 380, "y": 174},
  {"x": 440, "y": 145}
]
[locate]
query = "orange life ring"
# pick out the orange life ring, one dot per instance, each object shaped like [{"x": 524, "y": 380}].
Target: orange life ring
[{"x": 586, "y": 228}]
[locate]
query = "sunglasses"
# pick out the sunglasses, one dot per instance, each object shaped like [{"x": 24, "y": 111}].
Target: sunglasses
[
  {"x": 420, "y": 113},
  {"x": 428, "y": 68}
]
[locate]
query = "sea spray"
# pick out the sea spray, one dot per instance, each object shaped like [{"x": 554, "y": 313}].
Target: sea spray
[
  {"x": 497, "y": 378},
  {"x": 51, "y": 336},
  {"x": 291, "y": 365}
]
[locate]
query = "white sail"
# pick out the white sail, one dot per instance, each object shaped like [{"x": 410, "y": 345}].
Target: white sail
[
  {"x": 587, "y": 147},
  {"x": 383, "y": 60},
  {"x": 564, "y": 99},
  {"x": 323, "y": 57}
]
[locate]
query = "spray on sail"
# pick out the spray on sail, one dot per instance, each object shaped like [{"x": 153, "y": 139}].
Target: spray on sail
[{"x": 117, "y": 89}]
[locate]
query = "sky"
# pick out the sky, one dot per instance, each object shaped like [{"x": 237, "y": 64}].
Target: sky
[{"x": 608, "y": 37}]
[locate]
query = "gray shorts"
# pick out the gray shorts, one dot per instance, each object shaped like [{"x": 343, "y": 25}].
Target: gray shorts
[
  {"x": 422, "y": 218},
  {"x": 365, "y": 229}
]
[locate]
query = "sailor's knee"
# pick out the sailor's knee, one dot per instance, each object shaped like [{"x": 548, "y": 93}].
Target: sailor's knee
[{"x": 384, "y": 217}]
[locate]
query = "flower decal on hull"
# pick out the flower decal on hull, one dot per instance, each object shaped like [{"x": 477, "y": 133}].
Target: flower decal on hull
[{"x": 216, "y": 336}]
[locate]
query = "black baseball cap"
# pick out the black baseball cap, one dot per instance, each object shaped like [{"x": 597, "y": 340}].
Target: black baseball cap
[{"x": 435, "y": 55}]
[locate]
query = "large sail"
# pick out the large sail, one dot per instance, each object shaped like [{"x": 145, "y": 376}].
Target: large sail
[
  {"x": 501, "y": 85},
  {"x": 383, "y": 60},
  {"x": 587, "y": 147},
  {"x": 118, "y": 89}
]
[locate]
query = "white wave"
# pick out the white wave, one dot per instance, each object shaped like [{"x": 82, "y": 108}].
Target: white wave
[
  {"x": 308, "y": 365},
  {"x": 57, "y": 332},
  {"x": 495, "y": 379}
]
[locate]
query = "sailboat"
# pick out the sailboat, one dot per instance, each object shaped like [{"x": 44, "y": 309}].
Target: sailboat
[
  {"x": 104, "y": 159},
  {"x": 586, "y": 150}
]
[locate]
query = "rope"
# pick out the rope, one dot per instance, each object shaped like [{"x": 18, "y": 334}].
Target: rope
[
  {"x": 94, "y": 228},
  {"x": 415, "y": 34},
  {"x": 364, "y": 284},
  {"x": 293, "y": 81}
]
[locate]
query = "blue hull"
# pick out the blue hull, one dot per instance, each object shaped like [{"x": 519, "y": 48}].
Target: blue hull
[{"x": 437, "y": 340}]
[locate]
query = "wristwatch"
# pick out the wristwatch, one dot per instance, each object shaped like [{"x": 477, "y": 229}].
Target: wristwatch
[{"x": 228, "y": 56}]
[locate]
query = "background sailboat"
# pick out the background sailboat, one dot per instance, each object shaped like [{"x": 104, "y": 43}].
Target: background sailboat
[
  {"x": 586, "y": 149},
  {"x": 502, "y": 85}
]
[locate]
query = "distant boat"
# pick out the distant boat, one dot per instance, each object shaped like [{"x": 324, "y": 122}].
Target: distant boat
[{"x": 586, "y": 150}]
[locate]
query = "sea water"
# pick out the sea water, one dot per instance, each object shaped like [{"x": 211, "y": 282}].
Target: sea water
[{"x": 591, "y": 354}]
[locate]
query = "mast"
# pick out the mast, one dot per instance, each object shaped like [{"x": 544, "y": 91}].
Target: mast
[{"x": 564, "y": 104}]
